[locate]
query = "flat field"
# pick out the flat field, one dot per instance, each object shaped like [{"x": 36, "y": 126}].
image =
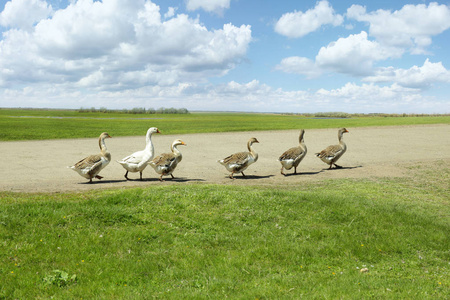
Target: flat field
[
  {"x": 55, "y": 124},
  {"x": 378, "y": 228}
]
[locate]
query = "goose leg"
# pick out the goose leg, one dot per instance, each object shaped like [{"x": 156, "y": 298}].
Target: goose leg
[
  {"x": 98, "y": 177},
  {"x": 141, "y": 174},
  {"x": 231, "y": 176},
  {"x": 282, "y": 173},
  {"x": 243, "y": 174},
  {"x": 126, "y": 175},
  {"x": 295, "y": 170},
  {"x": 172, "y": 176},
  {"x": 160, "y": 178}
]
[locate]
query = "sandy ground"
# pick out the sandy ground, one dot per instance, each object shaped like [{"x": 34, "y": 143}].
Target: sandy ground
[{"x": 41, "y": 166}]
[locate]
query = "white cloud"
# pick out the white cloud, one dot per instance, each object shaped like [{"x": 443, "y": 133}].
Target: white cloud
[
  {"x": 371, "y": 98},
  {"x": 24, "y": 14},
  {"x": 411, "y": 27},
  {"x": 354, "y": 55},
  {"x": 297, "y": 24},
  {"x": 214, "y": 6},
  {"x": 415, "y": 77},
  {"x": 118, "y": 45},
  {"x": 170, "y": 12},
  {"x": 299, "y": 65},
  {"x": 233, "y": 96}
]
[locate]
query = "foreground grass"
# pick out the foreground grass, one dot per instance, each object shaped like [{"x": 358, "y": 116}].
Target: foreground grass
[
  {"x": 209, "y": 241},
  {"x": 18, "y": 124}
]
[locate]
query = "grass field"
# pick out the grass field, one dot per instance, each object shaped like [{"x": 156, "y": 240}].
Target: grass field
[
  {"x": 382, "y": 238},
  {"x": 209, "y": 241},
  {"x": 18, "y": 124}
]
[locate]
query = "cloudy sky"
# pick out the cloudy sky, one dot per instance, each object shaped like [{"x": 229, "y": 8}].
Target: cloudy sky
[{"x": 227, "y": 55}]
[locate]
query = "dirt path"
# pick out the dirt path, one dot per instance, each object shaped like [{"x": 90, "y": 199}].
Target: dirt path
[{"x": 41, "y": 166}]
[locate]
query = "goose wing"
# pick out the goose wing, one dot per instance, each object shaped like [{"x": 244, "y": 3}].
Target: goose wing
[
  {"x": 163, "y": 159},
  {"x": 331, "y": 151},
  {"x": 89, "y": 162},
  {"x": 240, "y": 158},
  {"x": 134, "y": 158},
  {"x": 292, "y": 153}
]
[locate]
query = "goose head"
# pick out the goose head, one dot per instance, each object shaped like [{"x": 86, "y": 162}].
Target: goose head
[
  {"x": 152, "y": 130},
  {"x": 178, "y": 142},
  {"x": 252, "y": 141},
  {"x": 104, "y": 135}
]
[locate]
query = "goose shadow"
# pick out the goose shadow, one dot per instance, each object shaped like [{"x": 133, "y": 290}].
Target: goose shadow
[
  {"x": 249, "y": 177},
  {"x": 145, "y": 179},
  {"x": 182, "y": 179},
  {"x": 303, "y": 173},
  {"x": 342, "y": 168},
  {"x": 102, "y": 181}
]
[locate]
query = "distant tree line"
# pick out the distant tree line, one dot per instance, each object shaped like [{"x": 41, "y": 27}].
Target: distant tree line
[
  {"x": 136, "y": 110},
  {"x": 356, "y": 115}
]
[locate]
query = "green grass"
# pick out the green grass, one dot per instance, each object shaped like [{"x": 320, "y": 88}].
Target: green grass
[
  {"x": 18, "y": 124},
  {"x": 210, "y": 241}
]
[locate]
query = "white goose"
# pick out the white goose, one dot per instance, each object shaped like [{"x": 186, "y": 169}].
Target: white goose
[
  {"x": 137, "y": 161},
  {"x": 293, "y": 156},
  {"x": 166, "y": 163},
  {"x": 332, "y": 153},
  {"x": 90, "y": 166},
  {"x": 239, "y": 162}
]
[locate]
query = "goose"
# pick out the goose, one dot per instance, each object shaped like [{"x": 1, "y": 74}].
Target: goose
[
  {"x": 292, "y": 157},
  {"x": 166, "y": 163},
  {"x": 332, "y": 153},
  {"x": 137, "y": 161},
  {"x": 90, "y": 166},
  {"x": 239, "y": 162}
]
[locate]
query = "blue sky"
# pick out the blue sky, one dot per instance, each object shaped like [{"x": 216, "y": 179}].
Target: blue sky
[{"x": 227, "y": 55}]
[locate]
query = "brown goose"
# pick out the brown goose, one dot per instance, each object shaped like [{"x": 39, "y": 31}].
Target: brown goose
[
  {"x": 240, "y": 161},
  {"x": 166, "y": 163},
  {"x": 293, "y": 156},
  {"x": 90, "y": 166},
  {"x": 332, "y": 153}
]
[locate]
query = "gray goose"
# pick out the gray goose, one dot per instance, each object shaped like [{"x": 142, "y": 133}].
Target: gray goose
[
  {"x": 239, "y": 162},
  {"x": 293, "y": 156},
  {"x": 90, "y": 166},
  {"x": 332, "y": 153},
  {"x": 166, "y": 163},
  {"x": 138, "y": 161}
]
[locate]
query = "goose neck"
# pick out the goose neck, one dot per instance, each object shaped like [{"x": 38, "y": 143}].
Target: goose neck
[
  {"x": 300, "y": 138},
  {"x": 341, "y": 141},
  {"x": 148, "y": 142},
  {"x": 175, "y": 150},
  {"x": 252, "y": 152},
  {"x": 102, "y": 144}
]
